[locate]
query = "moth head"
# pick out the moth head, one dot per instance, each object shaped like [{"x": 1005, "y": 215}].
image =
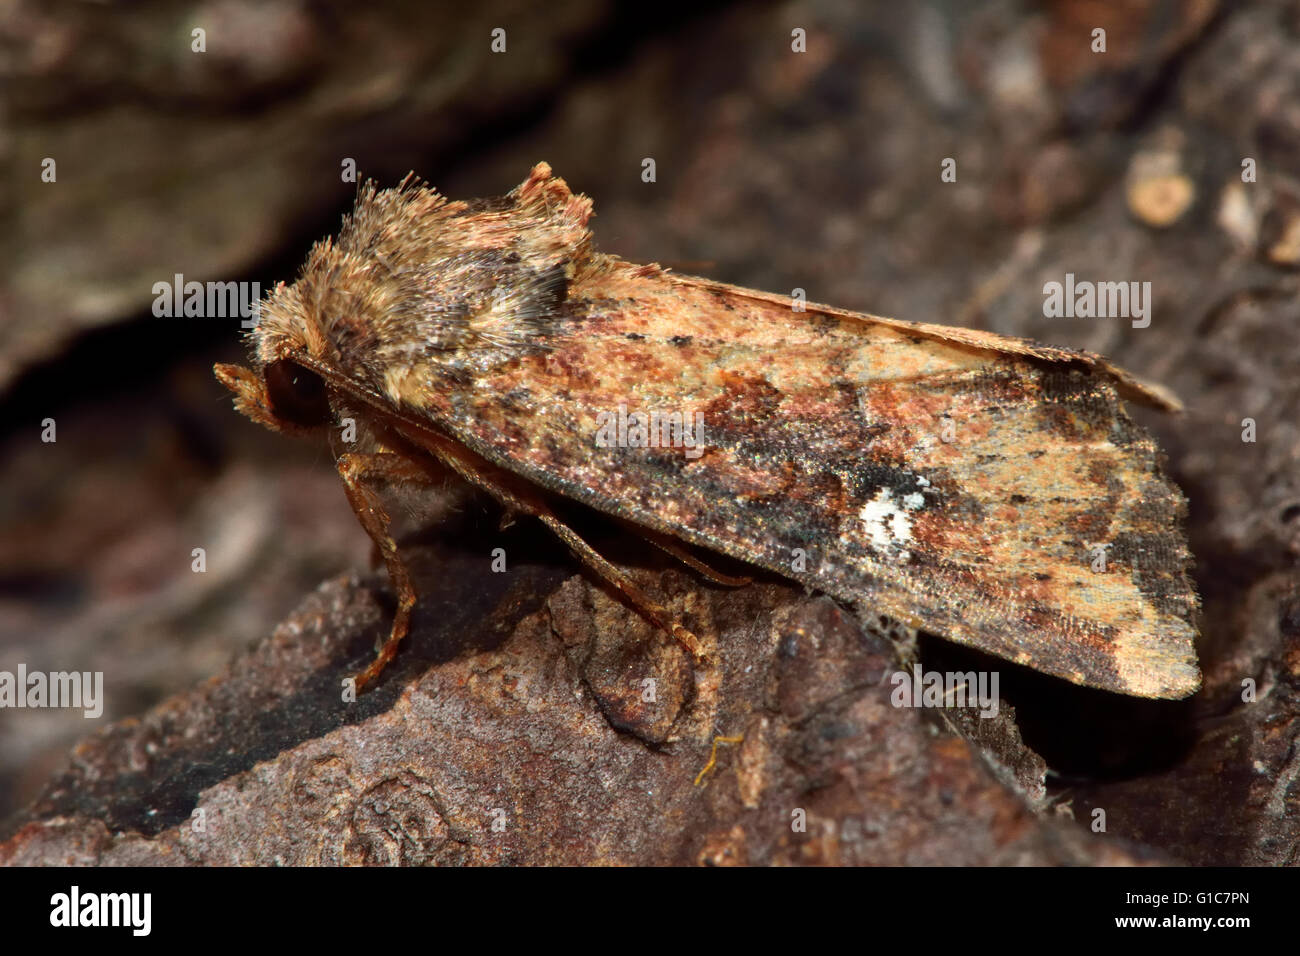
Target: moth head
[
  {"x": 415, "y": 286},
  {"x": 283, "y": 395}
]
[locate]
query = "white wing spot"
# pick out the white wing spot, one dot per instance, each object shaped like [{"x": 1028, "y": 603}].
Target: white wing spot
[{"x": 888, "y": 526}]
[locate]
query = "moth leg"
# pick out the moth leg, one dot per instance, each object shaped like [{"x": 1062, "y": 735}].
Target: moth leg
[
  {"x": 619, "y": 579},
  {"x": 357, "y": 472},
  {"x": 683, "y": 555},
  {"x": 520, "y": 501}
]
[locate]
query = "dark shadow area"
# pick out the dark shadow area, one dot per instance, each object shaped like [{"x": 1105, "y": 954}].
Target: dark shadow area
[
  {"x": 1082, "y": 733},
  {"x": 459, "y": 596}
]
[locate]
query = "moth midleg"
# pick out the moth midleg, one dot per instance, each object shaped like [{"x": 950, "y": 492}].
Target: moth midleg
[
  {"x": 683, "y": 555},
  {"x": 618, "y": 577},
  {"x": 358, "y": 470},
  {"x": 481, "y": 475}
]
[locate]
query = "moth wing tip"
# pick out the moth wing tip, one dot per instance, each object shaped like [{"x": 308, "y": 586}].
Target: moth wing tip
[
  {"x": 1178, "y": 685},
  {"x": 1151, "y": 667},
  {"x": 1136, "y": 388}
]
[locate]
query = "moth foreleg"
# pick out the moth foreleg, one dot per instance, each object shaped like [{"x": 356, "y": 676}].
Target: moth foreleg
[{"x": 358, "y": 471}]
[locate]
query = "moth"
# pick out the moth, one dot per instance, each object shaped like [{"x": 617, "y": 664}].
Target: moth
[{"x": 987, "y": 489}]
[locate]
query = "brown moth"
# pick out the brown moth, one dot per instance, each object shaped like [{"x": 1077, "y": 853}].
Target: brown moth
[{"x": 987, "y": 489}]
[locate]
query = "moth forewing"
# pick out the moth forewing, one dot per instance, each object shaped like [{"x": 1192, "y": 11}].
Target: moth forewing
[{"x": 958, "y": 481}]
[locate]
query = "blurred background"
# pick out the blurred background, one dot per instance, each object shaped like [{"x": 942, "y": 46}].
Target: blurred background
[{"x": 795, "y": 144}]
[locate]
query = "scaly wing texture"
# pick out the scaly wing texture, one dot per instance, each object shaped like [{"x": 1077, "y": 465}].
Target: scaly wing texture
[
  {"x": 955, "y": 480},
  {"x": 954, "y": 488}
]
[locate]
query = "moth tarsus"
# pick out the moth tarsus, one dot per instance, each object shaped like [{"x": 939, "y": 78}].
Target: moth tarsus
[{"x": 947, "y": 478}]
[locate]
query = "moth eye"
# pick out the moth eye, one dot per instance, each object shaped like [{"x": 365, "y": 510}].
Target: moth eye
[{"x": 296, "y": 394}]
